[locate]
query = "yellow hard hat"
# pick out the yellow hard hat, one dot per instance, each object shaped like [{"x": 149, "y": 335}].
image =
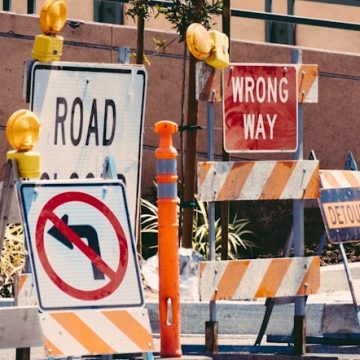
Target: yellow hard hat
[
  {"x": 23, "y": 130},
  {"x": 53, "y": 16},
  {"x": 198, "y": 41}
]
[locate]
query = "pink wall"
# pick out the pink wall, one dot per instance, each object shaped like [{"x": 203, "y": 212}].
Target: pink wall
[{"x": 330, "y": 127}]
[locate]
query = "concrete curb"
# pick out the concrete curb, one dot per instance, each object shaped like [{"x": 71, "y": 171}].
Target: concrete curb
[{"x": 246, "y": 317}]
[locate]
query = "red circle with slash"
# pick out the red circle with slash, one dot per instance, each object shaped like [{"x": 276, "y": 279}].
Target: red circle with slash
[{"x": 115, "y": 277}]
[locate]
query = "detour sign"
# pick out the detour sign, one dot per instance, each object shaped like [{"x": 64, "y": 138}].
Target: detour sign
[{"x": 340, "y": 209}]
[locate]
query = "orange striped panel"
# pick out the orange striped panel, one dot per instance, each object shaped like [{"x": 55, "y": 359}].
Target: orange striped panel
[
  {"x": 278, "y": 179},
  {"x": 273, "y": 277},
  {"x": 313, "y": 188},
  {"x": 307, "y": 75},
  {"x": 131, "y": 328},
  {"x": 312, "y": 276},
  {"x": 349, "y": 176},
  {"x": 82, "y": 333},
  {"x": 231, "y": 278},
  {"x": 51, "y": 349},
  {"x": 330, "y": 178},
  {"x": 202, "y": 266},
  {"x": 21, "y": 281},
  {"x": 205, "y": 167},
  {"x": 235, "y": 180}
]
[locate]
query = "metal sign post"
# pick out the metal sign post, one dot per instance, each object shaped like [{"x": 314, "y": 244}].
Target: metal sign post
[{"x": 298, "y": 231}]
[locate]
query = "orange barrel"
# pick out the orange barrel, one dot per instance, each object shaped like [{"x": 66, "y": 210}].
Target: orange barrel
[{"x": 168, "y": 241}]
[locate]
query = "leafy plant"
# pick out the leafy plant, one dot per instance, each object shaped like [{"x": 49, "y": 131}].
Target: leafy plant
[
  {"x": 182, "y": 13},
  {"x": 237, "y": 233},
  {"x": 200, "y": 243},
  {"x": 12, "y": 258},
  {"x": 140, "y": 9},
  {"x": 149, "y": 217}
]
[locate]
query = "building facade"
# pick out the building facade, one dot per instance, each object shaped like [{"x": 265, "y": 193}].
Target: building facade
[{"x": 114, "y": 12}]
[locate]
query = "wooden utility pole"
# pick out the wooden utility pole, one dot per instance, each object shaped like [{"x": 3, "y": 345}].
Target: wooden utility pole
[
  {"x": 188, "y": 201},
  {"x": 225, "y": 208},
  {"x": 140, "y": 40}
]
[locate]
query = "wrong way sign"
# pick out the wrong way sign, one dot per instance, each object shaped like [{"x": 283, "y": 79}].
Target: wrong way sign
[
  {"x": 260, "y": 108},
  {"x": 88, "y": 112},
  {"x": 80, "y": 244}
]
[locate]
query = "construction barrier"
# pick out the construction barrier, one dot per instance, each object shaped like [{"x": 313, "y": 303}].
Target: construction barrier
[
  {"x": 258, "y": 180},
  {"x": 333, "y": 179},
  {"x": 257, "y": 278},
  {"x": 96, "y": 332}
]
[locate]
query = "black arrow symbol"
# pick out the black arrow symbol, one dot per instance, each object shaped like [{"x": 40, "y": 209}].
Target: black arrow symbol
[{"x": 83, "y": 231}]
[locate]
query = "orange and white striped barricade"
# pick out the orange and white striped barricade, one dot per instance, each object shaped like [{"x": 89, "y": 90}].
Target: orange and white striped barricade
[
  {"x": 258, "y": 180},
  {"x": 258, "y": 278},
  {"x": 335, "y": 179},
  {"x": 91, "y": 331},
  {"x": 108, "y": 331}
]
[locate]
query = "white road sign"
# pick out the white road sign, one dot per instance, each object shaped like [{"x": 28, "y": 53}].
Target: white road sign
[
  {"x": 80, "y": 244},
  {"x": 87, "y": 112}
]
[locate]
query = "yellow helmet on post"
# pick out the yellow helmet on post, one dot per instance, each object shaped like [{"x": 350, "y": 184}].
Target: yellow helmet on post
[
  {"x": 211, "y": 46},
  {"x": 48, "y": 46},
  {"x": 53, "y": 15},
  {"x": 22, "y": 132}
]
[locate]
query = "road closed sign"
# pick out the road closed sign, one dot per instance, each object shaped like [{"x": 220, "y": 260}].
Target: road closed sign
[
  {"x": 260, "y": 108},
  {"x": 80, "y": 244},
  {"x": 88, "y": 112}
]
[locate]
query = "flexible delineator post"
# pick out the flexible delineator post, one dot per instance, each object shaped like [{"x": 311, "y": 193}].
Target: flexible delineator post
[{"x": 168, "y": 242}]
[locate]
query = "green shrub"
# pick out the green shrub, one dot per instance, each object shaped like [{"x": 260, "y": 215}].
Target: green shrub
[{"x": 238, "y": 233}]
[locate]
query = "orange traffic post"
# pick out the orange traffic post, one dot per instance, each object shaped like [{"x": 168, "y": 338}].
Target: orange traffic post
[{"x": 168, "y": 242}]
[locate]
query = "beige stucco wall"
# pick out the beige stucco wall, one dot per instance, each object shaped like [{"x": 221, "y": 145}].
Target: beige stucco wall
[
  {"x": 325, "y": 38},
  {"x": 249, "y": 29},
  {"x": 330, "y": 127},
  {"x": 83, "y": 9}
]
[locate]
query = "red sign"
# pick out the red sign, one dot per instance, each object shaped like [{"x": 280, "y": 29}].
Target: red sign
[
  {"x": 115, "y": 277},
  {"x": 260, "y": 108}
]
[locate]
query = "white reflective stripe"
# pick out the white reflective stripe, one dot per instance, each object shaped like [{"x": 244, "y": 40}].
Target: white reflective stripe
[
  {"x": 167, "y": 190},
  {"x": 210, "y": 277},
  {"x": 214, "y": 180},
  {"x": 324, "y": 183},
  {"x": 59, "y": 336},
  {"x": 256, "y": 180},
  {"x": 299, "y": 179},
  {"x": 166, "y": 166},
  {"x": 252, "y": 279},
  {"x": 294, "y": 276},
  {"x": 107, "y": 331}
]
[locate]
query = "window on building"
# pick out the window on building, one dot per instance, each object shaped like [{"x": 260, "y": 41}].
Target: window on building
[
  {"x": 277, "y": 32},
  {"x": 7, "y": 5},
  {"x": 108, "y": 11}
]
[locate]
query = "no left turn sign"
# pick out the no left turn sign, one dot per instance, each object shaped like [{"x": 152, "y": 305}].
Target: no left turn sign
[{"x": 81, "y": 247}]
